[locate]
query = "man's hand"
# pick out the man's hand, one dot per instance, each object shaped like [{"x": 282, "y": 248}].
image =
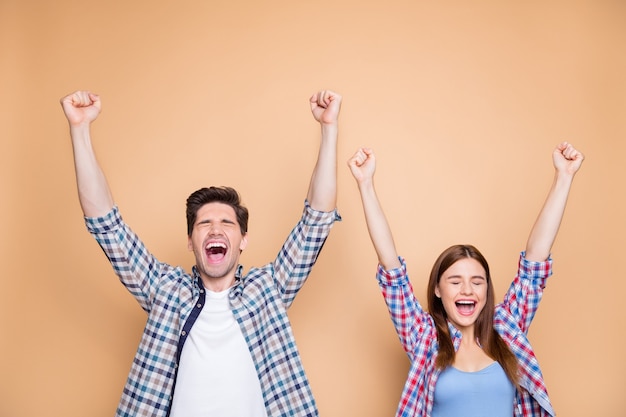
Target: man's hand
[
  {"x": 325, "y": 106},
  {"x": 81, "y": 107}
]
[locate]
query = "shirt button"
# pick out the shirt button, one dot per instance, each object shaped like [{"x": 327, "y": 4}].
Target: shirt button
[
  {"x": 199, "y": 305},
  {"x": 184, "y": 333}
]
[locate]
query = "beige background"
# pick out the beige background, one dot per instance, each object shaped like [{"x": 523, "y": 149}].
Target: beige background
[{"x": 462, "y": 101}]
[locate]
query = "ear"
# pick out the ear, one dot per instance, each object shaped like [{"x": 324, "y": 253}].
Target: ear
[
  {"x": 244, "y": 242},
  {"x": 189, "y": 244},
  {"x": 437, "y": 292}
]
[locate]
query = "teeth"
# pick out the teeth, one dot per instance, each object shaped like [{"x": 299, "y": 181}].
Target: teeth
[
  {"x": 215, "y": 245},
  {"x": 465, "y": 302}
]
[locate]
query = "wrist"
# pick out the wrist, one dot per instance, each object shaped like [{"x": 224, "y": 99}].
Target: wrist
[
  {"x": 366, "y": 184},
  {"x": 79, "y": 130},
  {"x": 330, "y": 127},
  {"x": 563, "y": 177}
]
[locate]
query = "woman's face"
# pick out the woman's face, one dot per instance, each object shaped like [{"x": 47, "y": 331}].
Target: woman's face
[{"x": 463, "y": 292}]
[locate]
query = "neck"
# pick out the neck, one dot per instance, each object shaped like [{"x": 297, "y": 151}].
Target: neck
[
  {"x": 468, "y": 337},
  {"x": 218, "y": 284}
]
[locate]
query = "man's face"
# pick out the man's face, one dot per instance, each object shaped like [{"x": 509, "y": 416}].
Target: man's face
[{"x": 216, "y": 241}]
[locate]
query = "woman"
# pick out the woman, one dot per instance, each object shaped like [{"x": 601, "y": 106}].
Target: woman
[{"x": 468, "y": 356}]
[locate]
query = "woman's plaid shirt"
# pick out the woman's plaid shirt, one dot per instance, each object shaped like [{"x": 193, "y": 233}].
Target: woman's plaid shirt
[
  {"x": 173, "y": 299},
  {"x": 418, "y": 335}
]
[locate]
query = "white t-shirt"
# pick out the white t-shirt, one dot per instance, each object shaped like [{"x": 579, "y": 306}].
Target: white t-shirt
[{"x": 216, "y": 375}]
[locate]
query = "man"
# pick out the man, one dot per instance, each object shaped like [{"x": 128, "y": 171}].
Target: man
[{"x": 216, "y": 343}]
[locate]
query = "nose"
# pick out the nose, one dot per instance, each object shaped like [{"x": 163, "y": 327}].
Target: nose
[
  {"x": 466, "y": 288},
  {"x": 215, "y": 229}
]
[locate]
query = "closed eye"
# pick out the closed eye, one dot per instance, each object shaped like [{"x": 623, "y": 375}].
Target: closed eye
[
  {"x": 478, "y": 281},
  {"x": 224, "y": 221}
]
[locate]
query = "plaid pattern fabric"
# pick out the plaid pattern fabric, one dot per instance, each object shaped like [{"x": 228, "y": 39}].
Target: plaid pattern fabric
[
  {"x": 173, "y": 299},
  {"x": 418, "y": 335}
]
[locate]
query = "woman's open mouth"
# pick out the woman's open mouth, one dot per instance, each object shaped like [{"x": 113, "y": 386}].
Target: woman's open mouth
[{"x": 465, "y": 307}]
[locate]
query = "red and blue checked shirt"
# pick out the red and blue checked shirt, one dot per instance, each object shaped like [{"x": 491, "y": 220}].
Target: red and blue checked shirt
[
  {"x": 418, "y": 335},
  {"x": 173, "y": 299}
]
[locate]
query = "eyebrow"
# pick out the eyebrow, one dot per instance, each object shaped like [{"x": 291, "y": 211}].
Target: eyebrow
[
  {"x": 224, "y": 220},
  {"x": 459, "y": 277}
]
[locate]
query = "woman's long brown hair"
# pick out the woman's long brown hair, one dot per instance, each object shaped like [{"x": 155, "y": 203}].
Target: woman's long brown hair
[{"x": 488, "y": 338}]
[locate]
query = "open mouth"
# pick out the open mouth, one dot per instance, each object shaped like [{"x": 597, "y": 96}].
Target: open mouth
[
  {"x": 215, "y": 251},
  {"x": 465, "y": 307}
]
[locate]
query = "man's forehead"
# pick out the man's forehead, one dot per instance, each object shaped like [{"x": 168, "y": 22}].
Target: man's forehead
[{"x": 216, "y": 209}]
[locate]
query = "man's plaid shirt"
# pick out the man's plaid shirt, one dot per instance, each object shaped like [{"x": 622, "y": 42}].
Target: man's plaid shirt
[
  {"x": 173, "y": 299},
  {"x": 418, "y": 335}
]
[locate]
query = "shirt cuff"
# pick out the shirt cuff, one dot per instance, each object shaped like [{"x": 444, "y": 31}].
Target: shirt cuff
[
  {"x": 394, "y": 277},
  {"x": 104, "y": 224},
  {"x": 534, "y": 270},
  {"x": 312, "y": 217}
]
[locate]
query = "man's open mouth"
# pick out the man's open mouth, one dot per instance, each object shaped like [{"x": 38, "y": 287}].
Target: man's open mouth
[{"x": 215, "y": 251}]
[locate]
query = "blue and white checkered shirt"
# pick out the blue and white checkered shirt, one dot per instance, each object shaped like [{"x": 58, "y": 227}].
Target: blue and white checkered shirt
[{"x": 173, "y": 299}]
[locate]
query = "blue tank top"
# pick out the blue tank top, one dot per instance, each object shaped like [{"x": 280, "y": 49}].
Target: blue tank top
[{"x": 486, "y": 393}]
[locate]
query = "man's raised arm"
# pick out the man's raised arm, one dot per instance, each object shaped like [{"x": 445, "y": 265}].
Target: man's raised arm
[
  {"x": 81, "y": 108},
  {"x": 322, "y": 194}
]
